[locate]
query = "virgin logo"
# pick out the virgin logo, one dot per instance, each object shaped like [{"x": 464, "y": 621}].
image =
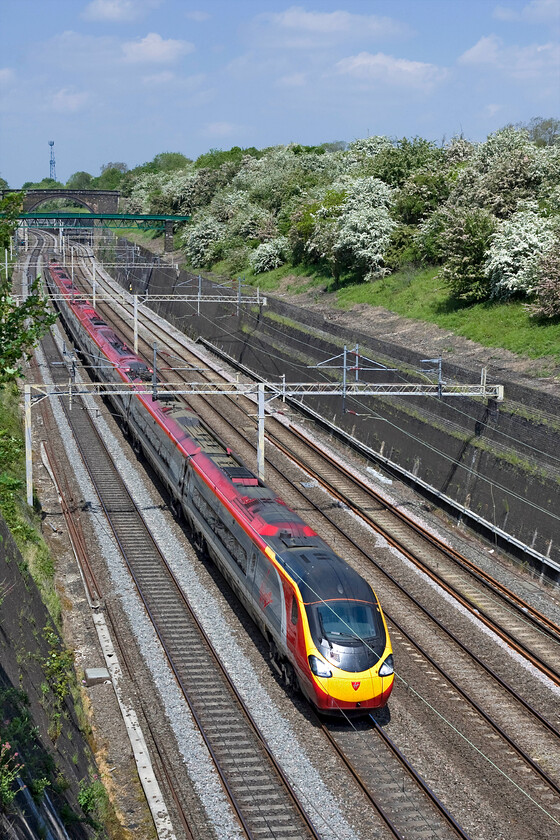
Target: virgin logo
[{"x": 356, "y": 685}]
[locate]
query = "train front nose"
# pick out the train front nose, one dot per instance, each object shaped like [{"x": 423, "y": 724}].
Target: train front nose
[{"x": 352, "y": 692}]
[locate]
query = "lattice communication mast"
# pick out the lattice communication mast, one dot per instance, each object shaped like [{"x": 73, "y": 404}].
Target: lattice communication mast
[{"x": 53, "y": 164}]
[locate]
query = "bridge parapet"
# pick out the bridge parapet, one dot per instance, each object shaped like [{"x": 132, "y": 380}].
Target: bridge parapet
[{"x": 96, "y": 201}]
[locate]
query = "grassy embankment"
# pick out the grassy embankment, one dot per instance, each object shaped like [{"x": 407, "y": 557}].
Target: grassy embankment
[{"x": 419, "y": 294}]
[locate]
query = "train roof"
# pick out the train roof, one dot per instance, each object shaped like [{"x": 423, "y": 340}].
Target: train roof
[{"x": 323, "y": 576}]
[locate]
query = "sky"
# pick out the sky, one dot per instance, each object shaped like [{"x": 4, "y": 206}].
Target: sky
[{"x": 123, "y": 80}]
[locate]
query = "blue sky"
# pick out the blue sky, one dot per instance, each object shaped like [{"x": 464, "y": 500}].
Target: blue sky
[{"x": 122, "y": 80}]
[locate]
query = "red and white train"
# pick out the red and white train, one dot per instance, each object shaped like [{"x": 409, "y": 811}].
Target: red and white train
[{"x": 324, "y": 623}]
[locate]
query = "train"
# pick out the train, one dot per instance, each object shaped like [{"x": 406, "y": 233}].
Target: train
[{"x": 324, "y": 624}]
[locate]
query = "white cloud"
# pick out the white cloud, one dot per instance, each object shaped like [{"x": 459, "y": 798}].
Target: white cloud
[
  {"x": 485, "y": 51},
  {"x": 537, "y": 11},
  {"x": 75, "y": 53},
  {"x": 219, "y": 129},
  {"x": 157, "y": 79},
  {"x": 337, "y": 23},
  {"x": 392, "y": 71},
  {"x": 7, "y": 76},
  {"x": 299, "y": 29},
  {"x": 524, "y": 63},
  {"x": 491, "y": 109},
  {"x": 118, "y": 10},
  {"x": 293, "y": 80},
  {"x": 168, "y": 79},
  {"x": 154, "y": 49},
  {"x": 68, "y": 101},
  {"x": 197, "y": 15}
]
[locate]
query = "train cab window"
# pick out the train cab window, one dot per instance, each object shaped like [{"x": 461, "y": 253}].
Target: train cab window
[{"x": 295, "y": 611}]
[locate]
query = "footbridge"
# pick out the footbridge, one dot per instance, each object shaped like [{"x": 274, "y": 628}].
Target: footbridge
[{"x": 102, "y": 207}]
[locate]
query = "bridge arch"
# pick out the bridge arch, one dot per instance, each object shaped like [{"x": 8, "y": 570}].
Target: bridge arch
[
  {"x": 29, "y": 207},
  {"x": 96, "y": 201}
]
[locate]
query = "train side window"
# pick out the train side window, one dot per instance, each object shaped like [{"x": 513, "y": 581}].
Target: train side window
[{"x": 295, "y": 611}]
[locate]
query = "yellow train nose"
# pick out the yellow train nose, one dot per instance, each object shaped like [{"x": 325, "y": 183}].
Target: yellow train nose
[{"x": 355, "y": 689}]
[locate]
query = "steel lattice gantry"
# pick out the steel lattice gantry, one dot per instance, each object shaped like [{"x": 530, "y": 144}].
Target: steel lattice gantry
[{"x": 116, "y": 221}]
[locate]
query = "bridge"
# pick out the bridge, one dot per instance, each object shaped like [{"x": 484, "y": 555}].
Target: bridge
[
  {"x": 102, "y": 206},
  {"x": 96, "y": 201}
]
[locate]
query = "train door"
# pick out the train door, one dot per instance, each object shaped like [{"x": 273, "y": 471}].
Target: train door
[
  {"x": 268, "y": 592},
  {"x": 292, "y": 618}
]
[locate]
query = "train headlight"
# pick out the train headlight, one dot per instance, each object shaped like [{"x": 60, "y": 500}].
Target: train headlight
[
  {"x": 387, "y": 668},
  {"x": 319, "y": 668}
]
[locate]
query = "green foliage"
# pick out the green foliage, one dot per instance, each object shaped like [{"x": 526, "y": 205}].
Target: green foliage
[
  {"x": 402, "y": 248},
  {"x": 37, "y": 768},
  {"x": 168, "y": 162},
  {"x": 117, "y": 166},
  {"x": 45, "y": 184},
  {"x": 60, "y": 675},
  {"x": 395, "y": 163},
  {"x": 547, "y": 285},
  {"x": 91, "y": 796},
  {"x": 17, "y": 515},
  {"x": 465, "y": 242},
  {"x": 10, "y": 769},
  {"x": 322, "y": 210},
  {"x": 312, "y": 227},
  {"x": 94, "y": 802},
  {"x": 58, "y": 666},
  {"x": 10, "y": 208},
  {"x": 80, "y": 181},
  {"x": 421, "y": 194},
  {"x": 216, "y": 158},
  {"x": 21, "y": 324},
  {"x": 542, "y": 131},
  {"x": 110, "y": 179},
  {"x": 21, "y": 327}
]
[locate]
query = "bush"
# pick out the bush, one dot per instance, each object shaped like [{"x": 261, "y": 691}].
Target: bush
[
  {"x": 547, "y": 284},
  {"x": 364, "y": 228},
  {"x": 422, "y": 193},
  {"x": 10, "y": 769},
  {"x": 395, "y": 163},
  {"x": 200, "y": 242},
  {"x": 269, "y": 255},
  {"x": 503, "y": 171},
  {"x": 464, "y": 245},
  {"x": 515, "y": 250}
]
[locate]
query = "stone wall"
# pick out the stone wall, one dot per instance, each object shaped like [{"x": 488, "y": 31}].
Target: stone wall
[{"x": 62, "y": 758}]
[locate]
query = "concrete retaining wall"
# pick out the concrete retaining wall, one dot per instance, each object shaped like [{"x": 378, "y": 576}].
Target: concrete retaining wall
[{"x": 497, "y": 461}]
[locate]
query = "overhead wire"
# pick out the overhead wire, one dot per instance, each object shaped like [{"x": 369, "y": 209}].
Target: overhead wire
[
  {"x": 442, "y": 717},
  {"x": 413, "y": 437}
]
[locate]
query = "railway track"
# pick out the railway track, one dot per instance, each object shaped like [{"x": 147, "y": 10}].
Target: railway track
[
  {"x": 520, "y": 625},
  {"x": 255, "y": 784},
  {"x": 402, "y": 798},
  {"x": 529, "y": 624}
]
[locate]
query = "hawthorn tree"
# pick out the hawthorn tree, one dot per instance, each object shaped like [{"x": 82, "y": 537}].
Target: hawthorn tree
[{"x": 547, "y": 288}]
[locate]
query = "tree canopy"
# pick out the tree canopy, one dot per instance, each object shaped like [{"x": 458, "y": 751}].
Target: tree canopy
[{"x": 482, "y": 211}]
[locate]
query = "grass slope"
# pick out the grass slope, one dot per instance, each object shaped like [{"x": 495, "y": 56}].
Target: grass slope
[{"x": 420, "y": 294}]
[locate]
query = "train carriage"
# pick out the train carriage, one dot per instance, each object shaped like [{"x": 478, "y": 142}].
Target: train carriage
[{"x": 325, "y": 627}]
